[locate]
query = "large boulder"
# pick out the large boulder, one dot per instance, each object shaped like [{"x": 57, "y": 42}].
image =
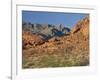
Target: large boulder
[{"x": 31, "y": 39}]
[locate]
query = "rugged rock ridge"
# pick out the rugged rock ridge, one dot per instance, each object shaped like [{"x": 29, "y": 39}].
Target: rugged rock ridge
[
  {"x": 81, "y": 30},
  {"x": 82, "y": 26}
]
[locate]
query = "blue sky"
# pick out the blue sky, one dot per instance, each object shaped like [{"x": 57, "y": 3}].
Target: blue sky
[{"x": 56, "y": 18}]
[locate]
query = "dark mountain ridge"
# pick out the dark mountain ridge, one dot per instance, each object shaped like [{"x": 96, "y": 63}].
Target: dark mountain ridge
[{"x": 47, "y": 31}]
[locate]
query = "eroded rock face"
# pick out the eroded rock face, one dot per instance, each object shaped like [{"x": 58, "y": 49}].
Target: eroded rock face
[
  {"x": 82, "y": 26},
  {"x": 85, "y": 27}
]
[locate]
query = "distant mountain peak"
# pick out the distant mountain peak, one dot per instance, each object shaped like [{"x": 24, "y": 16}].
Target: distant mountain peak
[{"x": 47, "y": 30}]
